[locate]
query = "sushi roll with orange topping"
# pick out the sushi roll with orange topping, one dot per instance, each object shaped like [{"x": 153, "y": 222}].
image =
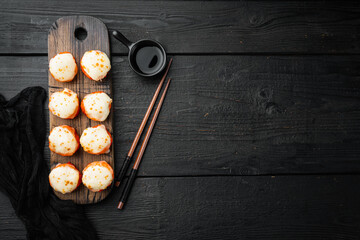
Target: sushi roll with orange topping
[
  {"x": 63, "y": 67},
  {"x": 96, "y": 106},
  {"x": 95, "y": 65},
  {"x": 64, "y": 104},
  {"x": 97, "y": 176},
  {"x": 63, "y": 140},
  {"x": 65, "y": 178},
  {"x": 96, "y": 140}
]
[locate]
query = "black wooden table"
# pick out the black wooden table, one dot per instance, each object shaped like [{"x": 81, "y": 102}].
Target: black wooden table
[{"x": 259, "y": 136}]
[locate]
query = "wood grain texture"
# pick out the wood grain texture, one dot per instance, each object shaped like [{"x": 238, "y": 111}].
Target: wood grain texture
[
  {"x": 61, "y": 38},
  {"x": 196, "y": 26},
  {"x": 277, "y": 207},
  {"x": 241, "y": 103},
  {"x": 233, "y": 115}
]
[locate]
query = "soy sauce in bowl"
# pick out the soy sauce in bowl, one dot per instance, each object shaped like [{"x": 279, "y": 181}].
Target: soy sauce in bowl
[{"x": 147, "y": 58}]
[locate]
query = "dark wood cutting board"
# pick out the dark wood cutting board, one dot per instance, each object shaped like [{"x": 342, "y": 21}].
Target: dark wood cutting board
[{"x": 63, "y": 37}]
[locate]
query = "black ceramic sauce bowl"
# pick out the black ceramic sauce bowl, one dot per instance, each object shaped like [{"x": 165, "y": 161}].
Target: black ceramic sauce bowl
[{"x": 146, "y": 57}]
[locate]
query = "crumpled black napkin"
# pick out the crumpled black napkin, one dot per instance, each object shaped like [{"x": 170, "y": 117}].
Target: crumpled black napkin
[{"x": 24, "y": 172}]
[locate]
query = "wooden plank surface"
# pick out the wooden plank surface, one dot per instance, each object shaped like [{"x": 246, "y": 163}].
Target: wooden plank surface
[
  {"x": 62, "y": 38},
  {"x": 278, "y": 207},
  {"x": 196, "y": 26},
  {"x": 233, "y": 115},
  {"x": 259, "y": 88}
]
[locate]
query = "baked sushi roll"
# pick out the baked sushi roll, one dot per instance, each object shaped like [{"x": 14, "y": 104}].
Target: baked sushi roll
[
  {"x": 64, "y": 104},
  {"x": 63, "y": 67},
  {"x": 95, "y": 65},
  {"x": 65, "y": 178},
  {"x": 96, "y": 140},
  {"x": 63, "y": 140},
  {"x": 97, "y": 176},
  {"x": 96, "y": 106}
]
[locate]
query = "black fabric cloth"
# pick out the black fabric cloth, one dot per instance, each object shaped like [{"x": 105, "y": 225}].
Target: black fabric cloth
[{"x": 24, "y": 172}]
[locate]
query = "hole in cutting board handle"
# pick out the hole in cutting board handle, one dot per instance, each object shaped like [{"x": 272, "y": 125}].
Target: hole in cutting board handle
[{"x": 80, "y": 33}]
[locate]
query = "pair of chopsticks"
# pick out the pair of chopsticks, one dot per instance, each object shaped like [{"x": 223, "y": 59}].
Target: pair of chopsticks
[{"x": 120, "y": 176}]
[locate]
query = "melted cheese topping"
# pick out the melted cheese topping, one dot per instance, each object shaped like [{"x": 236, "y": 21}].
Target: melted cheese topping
[
  {"x": 64, "y": 104},
  {"x": 96, "y": 140},
  {"x": 63, "y": 141},
  {"x": 95, "y": 64},
  {"x": 96, "y": 106},
  {"x": 63, "y": 67},
  {"x": 64, "y": 178},
  {"x": 98, "y": 176}
]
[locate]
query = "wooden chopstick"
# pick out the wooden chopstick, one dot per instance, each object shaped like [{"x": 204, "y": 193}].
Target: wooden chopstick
[
  {"x": 133, "y": 173},
  {"x": 121, "y": 174}
]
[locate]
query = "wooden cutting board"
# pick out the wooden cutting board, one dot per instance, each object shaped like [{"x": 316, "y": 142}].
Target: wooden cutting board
[{"x": 64, "y": 37}]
